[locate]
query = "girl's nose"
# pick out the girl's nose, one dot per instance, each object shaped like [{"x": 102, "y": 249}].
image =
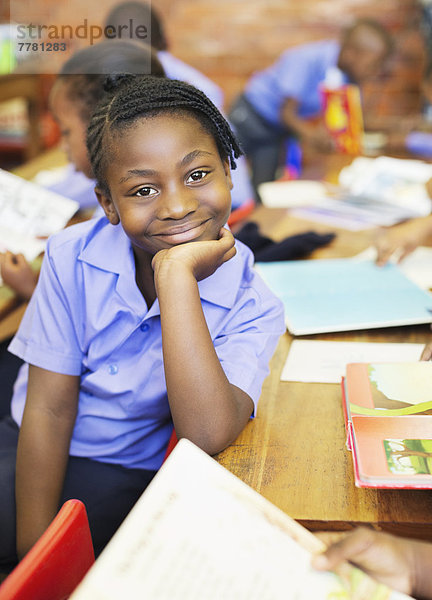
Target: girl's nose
[{"x": 177, "y": 204}]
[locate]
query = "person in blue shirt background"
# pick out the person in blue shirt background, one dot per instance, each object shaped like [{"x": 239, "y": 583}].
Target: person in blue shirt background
[
  {"x": 147, "y": 318},
  {"x": 141, "y": 13},
  {"x": 278, "y": 101}
]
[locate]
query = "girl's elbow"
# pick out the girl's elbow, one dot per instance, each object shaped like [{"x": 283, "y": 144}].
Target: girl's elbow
[{"x": 209, "y": 441}]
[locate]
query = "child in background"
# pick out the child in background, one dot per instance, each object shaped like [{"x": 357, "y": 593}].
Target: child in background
[
  {"x": 148, "y": 317},
  {"x": 132, "y": 17},
  {"x": 78, "y": 89},
  {"x": 75, "y": 94}
]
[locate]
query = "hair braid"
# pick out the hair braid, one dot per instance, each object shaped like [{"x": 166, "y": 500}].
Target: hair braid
[{"x": 133, "y": 97}]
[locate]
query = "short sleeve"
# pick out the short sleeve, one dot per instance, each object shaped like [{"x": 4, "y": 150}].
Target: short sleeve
[
  {"x": 47, "y": 336},
  {"x": 250, "y": 336},
  {"x": 295, "y": 69},
  {"x": 419, "y": 142}
]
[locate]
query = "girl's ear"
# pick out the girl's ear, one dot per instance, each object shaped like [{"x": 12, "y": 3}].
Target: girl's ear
[
  {"x": 227, "y": 169},
  {"x": 108, "y": 206}
]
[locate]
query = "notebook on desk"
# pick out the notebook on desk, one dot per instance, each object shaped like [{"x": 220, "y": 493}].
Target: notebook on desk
[
  {"x": 388, "y": 418},
  {"x": 323, "y": 296}
]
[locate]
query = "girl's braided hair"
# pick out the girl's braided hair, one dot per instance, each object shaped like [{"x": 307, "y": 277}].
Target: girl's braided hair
[{"x": 131, "y": 97}]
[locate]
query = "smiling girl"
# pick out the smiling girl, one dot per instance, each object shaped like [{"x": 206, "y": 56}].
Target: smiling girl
[{"x": 148, "y": 318}]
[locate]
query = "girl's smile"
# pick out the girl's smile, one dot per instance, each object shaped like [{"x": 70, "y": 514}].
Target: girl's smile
[
  {"x": 187, "y": 232},
  {"x": 168, "y": 184}
]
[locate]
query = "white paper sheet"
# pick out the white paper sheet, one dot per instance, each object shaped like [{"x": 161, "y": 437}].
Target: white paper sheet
[
  {"x": 285, "y": 194},
  {"x": 28, "y": 213},
  {"x": 316, "y": 361}
]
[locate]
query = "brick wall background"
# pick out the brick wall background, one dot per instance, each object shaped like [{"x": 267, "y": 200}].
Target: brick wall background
[{"x": 229, "y": 39}]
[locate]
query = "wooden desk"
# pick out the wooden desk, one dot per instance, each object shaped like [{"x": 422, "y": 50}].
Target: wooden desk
[{"x": 294, "y": 451}]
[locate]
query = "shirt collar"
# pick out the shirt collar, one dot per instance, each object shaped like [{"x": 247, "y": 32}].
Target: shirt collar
[
  {"x": 108, "y": 248},
  {"x": 117, "y": 257}
]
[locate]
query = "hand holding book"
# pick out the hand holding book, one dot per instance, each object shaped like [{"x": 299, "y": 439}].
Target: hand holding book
[{"x": 401, "y": 564}]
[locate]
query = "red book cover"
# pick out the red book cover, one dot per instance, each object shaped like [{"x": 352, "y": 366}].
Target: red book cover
[{"x": 388, "y": 412}]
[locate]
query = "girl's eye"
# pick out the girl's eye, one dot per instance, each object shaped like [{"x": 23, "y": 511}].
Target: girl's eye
[
  {"x": 146, "y": 192},
  {"x": 197, "y": 176}
]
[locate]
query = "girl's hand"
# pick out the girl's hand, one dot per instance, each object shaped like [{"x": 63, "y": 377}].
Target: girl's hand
[
  {"x": 200, "y": 258},
  {"x": 18, "y": 274}
]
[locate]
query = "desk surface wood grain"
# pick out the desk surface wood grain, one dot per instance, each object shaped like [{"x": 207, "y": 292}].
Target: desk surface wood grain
[
  {"x": 294, "y": 451},
  {"x": 294, "y": 454}
]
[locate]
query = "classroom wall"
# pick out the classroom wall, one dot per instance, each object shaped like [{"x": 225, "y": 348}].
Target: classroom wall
[{"x": 229, "y": 39}]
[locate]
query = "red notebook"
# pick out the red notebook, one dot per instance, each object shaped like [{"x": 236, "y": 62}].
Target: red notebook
[{"x": 388, "y": 418}]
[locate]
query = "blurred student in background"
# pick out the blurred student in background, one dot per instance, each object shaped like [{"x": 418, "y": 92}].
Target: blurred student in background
[
  {"x": 141, "y": 13},
  {"x": 76, "y": 92},
  {"x": 278, "y": 101}
]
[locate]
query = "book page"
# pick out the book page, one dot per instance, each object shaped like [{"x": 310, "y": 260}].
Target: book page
[
  {"x": 199, "y": 532},
  {"x": 316, "y": 361},
  {"x": 28, "y": 212}
]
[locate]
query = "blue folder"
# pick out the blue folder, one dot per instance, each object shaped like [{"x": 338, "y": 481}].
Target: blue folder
[{"x": 323, "y": 296}]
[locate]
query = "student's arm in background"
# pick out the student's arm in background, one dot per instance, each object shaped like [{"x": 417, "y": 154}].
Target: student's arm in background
[
  {"x": 402, "y": 564},
  {"x": 403, "y": 239},
  {"x": 205, "y": 407},
  {"x": 18, "y": 274},
  {"x": 309, "y": 133},
  {"x": 43, "y": 451}
]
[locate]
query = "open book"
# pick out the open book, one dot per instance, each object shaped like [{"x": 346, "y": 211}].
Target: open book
[
  {"x": 199, "y": 532},
  {"x": 29, "y": 214},
  {"x": 388, "y": 414}
]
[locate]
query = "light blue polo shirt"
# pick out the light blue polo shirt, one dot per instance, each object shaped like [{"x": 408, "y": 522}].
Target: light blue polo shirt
[
  {"x": 419, "y": 142},
  {"x": 177, "y": 69},
  {"x": 296, "y": 74},
  {"x": 87, "y": 317}
]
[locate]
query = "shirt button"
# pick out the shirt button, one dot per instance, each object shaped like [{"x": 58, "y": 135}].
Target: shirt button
[
  {"x": 112, "y": 369},
  {"x": 144, "y": 327}
]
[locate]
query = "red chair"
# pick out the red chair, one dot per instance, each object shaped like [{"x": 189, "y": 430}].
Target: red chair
[
  {"x": 58, "y": 561},
  {"x": 171, "y": 445},
  {"x": 240, "y": 213}
]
